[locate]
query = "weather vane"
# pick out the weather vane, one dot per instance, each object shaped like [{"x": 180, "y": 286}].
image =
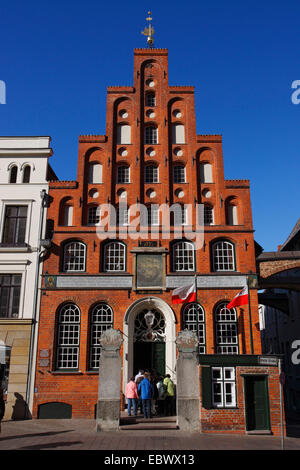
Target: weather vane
[{"x": 149, "y": 32}]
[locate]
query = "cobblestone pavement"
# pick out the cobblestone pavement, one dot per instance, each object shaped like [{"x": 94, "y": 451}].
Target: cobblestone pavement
[{"x": 79, "y": 434}]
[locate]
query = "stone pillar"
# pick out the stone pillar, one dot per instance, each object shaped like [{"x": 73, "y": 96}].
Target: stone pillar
[
  {"x": 187, "y": 371},
  {"x": 109, "y": 391}
]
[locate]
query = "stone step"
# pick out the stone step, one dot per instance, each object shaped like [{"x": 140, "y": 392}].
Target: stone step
[{"x": 155, "y": 423}]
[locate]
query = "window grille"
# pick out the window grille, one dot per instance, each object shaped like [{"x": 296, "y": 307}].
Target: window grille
[
  {"x": 114, "y": 256},
  {"x": 223, "y": 387},
  {"x": 179, "y": 174},
  {"x": 223, "y": 256},
  {"x": 15, "y": 219},
  {"x": 183, "y": 255},
  {"x": 10, "y": 288},
  {"x": 101, "y": 320},
  {"x": 151, "y": 174},
  {"x": 226, "y": 330},
  {"x": 150, "y": 99},
  {"x": 123, "y": 174},
  {"x": 94, "y": 215},
  {"x": 74, "y": 257},
  {"x": 151, "y": 135},
  {"x": 68, "y": 337},
  {"x": 208, "y": 215},
  {"x": 190, "y": 313}
]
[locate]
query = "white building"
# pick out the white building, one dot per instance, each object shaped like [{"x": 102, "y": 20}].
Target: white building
[{"x": 24, "y": 176}]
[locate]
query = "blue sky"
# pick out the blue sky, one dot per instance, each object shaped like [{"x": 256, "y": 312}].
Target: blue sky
[{"x": 58, "y": 57}]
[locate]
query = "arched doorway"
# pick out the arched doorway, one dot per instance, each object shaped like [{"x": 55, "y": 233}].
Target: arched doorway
[
  {"x": 149, "y": 346},
  {"x": 149, "y": 338}
]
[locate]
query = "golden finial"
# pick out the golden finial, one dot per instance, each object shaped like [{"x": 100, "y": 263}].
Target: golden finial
[{"x": 149, "y": 32}]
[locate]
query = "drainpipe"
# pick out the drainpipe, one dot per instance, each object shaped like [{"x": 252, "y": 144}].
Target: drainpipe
[{"x": 43, "y": 195}]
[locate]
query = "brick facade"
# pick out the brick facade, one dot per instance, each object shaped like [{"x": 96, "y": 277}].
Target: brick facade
[{"x": 127, "y": 105}]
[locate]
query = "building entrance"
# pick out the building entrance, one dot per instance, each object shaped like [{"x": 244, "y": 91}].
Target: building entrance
[{"x": 149, "y": 351}]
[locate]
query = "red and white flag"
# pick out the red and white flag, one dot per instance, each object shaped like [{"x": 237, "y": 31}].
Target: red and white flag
[
  {"x": 242, "y": 298},
  {"x": 184, "y": 294}
]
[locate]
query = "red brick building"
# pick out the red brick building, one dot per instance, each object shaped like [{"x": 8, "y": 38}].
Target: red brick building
[{"x": 151, "y": 157}]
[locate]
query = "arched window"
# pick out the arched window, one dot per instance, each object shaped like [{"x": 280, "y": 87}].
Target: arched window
[
  {"x": 150, "y": 99},
  {"x": 190, "y": 322},
  {"x": 223, "y": 256},
  {"x": 123, "y": 174},
  {"x": 13, "y": 174},
  {"x": 101, "y": 319},
  {"x": 179, "y": 174},
  {"x": 183, "y": 256},
  {"x": 26, "y": 174},
  {"x": 66, "y": 212},
  {"x": 151, "y": 135},
  {"x": 208, "y": 214},
  {"x": 95, "y": 173},
  {"x": 178, "y": 136},
  {"x": 231, "y": 212},
  {"x": 226, "y": 330},
  {"x": 74, "y": 256},
  {"x": 114, "y": 256},
  {"x": 93, "y": 215},
  {"x": 123, "y": 134},
  {"x": 206, "y": 173},
  {"x": 151, "y": 174},
  {"x": 68, "y": 336}
]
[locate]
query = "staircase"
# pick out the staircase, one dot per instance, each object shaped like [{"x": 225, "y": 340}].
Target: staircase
[{"x": 135, "y": 423}]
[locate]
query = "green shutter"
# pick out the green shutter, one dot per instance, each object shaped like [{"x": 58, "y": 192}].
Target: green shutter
[{"x": 206, "y": 387}]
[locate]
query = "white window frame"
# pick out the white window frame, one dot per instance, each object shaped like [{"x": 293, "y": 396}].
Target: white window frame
[
  {"x": 74, "y": 328},
  {"x": 94, "y": 215},
  {"x": 97, "y": 327},
  {"x": 153, "y": 176},
  {"x": 221, "y": 258},
  {"x": 113, "y": 257},
  {"x": 153, "y": 138},
  {"x": 18, "y": 202},
  {"x": 123, "y": 177},
  {"x": 208, "y": 217},
  {"x": 153, "y": 215},
  {"x": 123, "y": 134},
  {"x": 190, "y": 323},
  {"x": 179, "y": 174},
  {"x": 123, "y": 216},
  {"x": 82, "y": 262},
  {"x": 219, "y": 379},
  {"x": 184, "y": 250},
  {"x": 226, "y": 327}
]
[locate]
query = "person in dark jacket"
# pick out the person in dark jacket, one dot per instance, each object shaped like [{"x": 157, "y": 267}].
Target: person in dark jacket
[{"x": 145, "y": 390}]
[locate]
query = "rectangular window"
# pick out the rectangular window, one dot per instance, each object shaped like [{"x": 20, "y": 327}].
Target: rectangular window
[
  {"x": 153, "y": 215},
  {"x": 14, "y": 225},
  {"x": 123, "y": 175},
  {"x": 10, "y": 288},
  {"x": 223, "y": 387},
  {"x": 122, "y": 216}
]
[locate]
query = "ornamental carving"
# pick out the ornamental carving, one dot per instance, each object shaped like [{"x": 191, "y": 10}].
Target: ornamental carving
[
  {"x": 111, "y": 339},
  {"x": 187, "y": 341}
]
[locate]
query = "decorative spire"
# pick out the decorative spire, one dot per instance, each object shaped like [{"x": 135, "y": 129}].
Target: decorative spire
[{"x": 149, "y": 32}]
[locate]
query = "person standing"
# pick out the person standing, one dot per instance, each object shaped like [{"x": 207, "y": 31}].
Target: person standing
[
  {"x": 170, "y": 394},
  {"x": 131, "y": 395},
  {"x": 146, "y": 392},
  {"x": 161, "y": 396},
  {"x": 138, "y": 378}
]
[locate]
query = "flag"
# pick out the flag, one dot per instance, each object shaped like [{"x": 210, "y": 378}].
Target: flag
[
  {"x": 184, "y": 294},
  {"x": 242, "y": 298}
]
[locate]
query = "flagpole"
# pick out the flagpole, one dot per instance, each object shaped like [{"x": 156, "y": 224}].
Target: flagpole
[{"x": 250, "y": 319}]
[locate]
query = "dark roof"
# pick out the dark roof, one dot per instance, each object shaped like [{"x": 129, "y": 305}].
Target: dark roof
[{"x": 293, "y": 233}]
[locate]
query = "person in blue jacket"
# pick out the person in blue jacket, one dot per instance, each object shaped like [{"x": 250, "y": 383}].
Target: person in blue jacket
[{"x": 146, "y": 392}]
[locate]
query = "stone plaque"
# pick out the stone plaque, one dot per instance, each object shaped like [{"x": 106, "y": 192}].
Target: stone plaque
[
  {"x": 44, "y": 362},
  {"x": 149, "y": 271}
]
